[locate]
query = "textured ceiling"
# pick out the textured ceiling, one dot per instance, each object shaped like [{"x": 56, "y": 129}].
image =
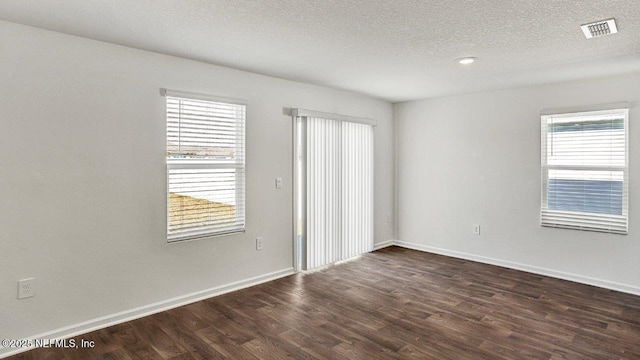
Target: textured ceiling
[{"x": 394, "y": 50}]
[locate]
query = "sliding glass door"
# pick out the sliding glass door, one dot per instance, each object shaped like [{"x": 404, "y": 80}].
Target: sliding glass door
[{"x": 334, "y": 190}]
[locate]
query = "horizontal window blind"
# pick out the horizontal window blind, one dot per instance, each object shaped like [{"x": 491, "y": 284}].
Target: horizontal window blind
[
  {"x": 584, "y": 171},
  {"x": 205, "y": 168}
]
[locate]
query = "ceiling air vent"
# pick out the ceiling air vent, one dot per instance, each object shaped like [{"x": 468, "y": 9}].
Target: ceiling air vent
[{"x": 599, "y": 28}]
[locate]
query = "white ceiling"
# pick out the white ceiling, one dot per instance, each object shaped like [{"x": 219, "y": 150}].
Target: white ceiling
[{"x": 394, "y": 50}]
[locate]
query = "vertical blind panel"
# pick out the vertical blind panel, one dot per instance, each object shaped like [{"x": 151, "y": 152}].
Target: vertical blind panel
[
  {"x": 584, "y": 166},
  {"x": 357, "y": 185},
  {"x": 339, "y": 190},
  {"x": 205, "y": 167},
  {"x": 323, "y": 189}
]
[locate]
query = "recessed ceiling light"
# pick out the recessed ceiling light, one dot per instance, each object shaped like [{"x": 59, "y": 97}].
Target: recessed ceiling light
[{"x": 466, "y": 60}]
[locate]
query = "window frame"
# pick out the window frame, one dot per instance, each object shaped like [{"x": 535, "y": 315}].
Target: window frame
[
  {"x": 178, "y": 164},
  {"x": 544, "y": 210}
]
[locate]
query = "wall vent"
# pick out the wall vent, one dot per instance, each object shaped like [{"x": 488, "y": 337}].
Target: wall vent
[{"x": 599, "y": 28}]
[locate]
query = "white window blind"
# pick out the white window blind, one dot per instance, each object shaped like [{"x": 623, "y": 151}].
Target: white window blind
[
  {"x": 585, "y": 171},
  {"x": 357, "y": 188},
  {"x": 339, "y": 190},
  {"x": 205, "y": 168}
]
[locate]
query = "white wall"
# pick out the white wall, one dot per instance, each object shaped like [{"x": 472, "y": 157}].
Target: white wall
[
  {"x": 82, "y": 141},
  {"x": 475, "y": 159}
]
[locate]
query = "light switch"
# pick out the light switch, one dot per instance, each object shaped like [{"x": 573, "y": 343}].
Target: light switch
[{"x": 278, "y": 183}]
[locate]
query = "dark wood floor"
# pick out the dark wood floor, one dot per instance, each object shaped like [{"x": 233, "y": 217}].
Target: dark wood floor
[{"x": 390, "y": 304}]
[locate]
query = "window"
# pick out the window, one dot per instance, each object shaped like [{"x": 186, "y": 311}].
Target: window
[
  {"x": 584, "y": 171},
  {"x": 205, "y": 168}
]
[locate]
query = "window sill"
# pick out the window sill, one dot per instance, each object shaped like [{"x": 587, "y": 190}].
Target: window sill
[{"x": 176, "y": 239}]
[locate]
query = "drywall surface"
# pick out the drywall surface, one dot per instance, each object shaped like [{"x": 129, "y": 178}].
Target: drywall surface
[
  {"x": 83, "y": 184},
  {"x": 475, "y": 159}
]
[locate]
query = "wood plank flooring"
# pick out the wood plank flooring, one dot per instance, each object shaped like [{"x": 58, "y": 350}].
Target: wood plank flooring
[{"x": 390, "y": 304}]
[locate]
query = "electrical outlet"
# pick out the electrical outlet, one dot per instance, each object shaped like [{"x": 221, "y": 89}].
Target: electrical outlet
[
  {"x": 26, "y": 288},
  {"x": 476, "y": 229},
  {"x": 259, "y": 243},
  {"x": 278, "y": 183}
]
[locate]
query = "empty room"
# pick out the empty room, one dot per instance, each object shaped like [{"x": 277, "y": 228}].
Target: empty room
[{"x": 293, "y": 179}]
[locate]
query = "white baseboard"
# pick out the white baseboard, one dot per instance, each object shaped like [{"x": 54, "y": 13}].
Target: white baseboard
[
  {"x": 146, "y": 310},
  {"x": 630, "y": 289},
  {"x": 384, "y": 244}
]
